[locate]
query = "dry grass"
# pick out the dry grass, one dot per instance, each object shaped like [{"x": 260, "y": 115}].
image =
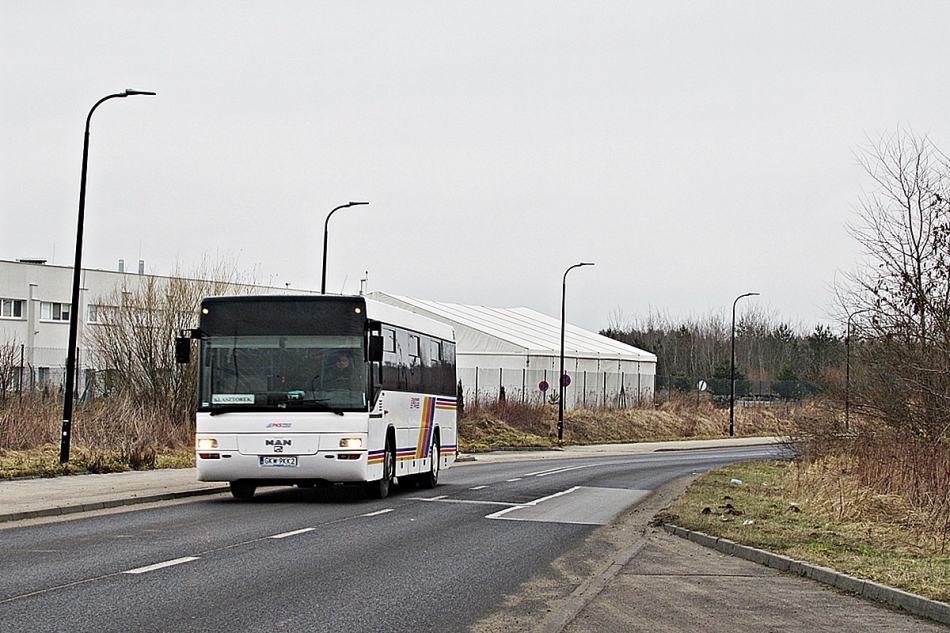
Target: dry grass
[
  {"x": 820, "y": 518},
  {"x": 110, "y": 435},
  {"x": 513, "y": 424}
]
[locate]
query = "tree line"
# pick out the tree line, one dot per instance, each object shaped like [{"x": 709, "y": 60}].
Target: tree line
[{"x": 766, "y": 349}]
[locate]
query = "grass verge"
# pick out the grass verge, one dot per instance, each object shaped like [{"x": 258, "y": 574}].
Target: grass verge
[
  {"x": 44, "y": 461},
  {"x": 769, "y": 510}
]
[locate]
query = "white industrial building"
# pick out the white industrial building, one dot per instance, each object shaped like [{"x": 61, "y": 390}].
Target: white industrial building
[
  {"x": 514, "y": 351},
  {"x": 35, "y": 307},
  {"x": 518, "y": 350}
]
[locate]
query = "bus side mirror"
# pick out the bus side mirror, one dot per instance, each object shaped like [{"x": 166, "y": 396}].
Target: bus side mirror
[
  {"x": 375, "y": 348},
  {"x": 182, "y": 350},
  {"x": 183, "y": 345}
]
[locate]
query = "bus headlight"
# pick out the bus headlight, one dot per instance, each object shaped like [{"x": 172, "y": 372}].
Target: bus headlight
[
  {"x": 351, "y": 442},
  {"x": 205, "y": 443}
]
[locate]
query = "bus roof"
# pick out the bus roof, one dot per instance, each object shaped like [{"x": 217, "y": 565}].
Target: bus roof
[{"x": 375, "y": 310}]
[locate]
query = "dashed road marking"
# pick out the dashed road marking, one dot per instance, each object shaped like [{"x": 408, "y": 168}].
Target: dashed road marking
[
  {"x": 555, "y": 471},
  {"x": 167, "y": 563},
  {"x": 477, "y": 502},
  {"x": 293, "y": 533},
  {"x": 577, "y": 505},
  {"x": 377, "y": 513}
]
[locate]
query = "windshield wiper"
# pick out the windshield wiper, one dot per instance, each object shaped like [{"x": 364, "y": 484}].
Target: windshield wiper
[{"x": 321, "y": 404}]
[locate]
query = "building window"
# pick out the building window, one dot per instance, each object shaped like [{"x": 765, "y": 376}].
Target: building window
[
  {"x": 54, "y": 311},
  {"x": 92, "y": 315},
  {"x": 11, "y": 308}
]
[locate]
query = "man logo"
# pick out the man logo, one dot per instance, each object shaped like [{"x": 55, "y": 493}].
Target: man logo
[{"x": 278, "y": 444}]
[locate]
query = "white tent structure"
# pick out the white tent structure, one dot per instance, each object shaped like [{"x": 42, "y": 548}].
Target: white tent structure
[{"x": 518, "y": 350}]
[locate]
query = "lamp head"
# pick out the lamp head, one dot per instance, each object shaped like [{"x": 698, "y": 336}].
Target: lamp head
[{"x": 129, "y": 92}]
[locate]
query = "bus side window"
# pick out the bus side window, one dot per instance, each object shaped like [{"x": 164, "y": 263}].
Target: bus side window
[
  {"x": 416, "y": 369},
  {"x": 392, "y": 370},
  {"x": 449, "y": 385},
  {"x": 433, "y": 377}
]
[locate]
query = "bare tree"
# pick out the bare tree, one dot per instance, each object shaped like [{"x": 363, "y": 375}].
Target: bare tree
[
  {"x": 898, "y": 299},
  {"x": 134, "y": 338},
  {"x": 9, "y": 367}
]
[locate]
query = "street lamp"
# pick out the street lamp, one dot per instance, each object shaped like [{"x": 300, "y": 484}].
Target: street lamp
[
  {"x": 326, "y": 233},
  {"x": 847, "y": 370},
  {"x": 732, "y": 367},
  {"x": 74, "y": 306},
  {"x": 561, "y": 380}
]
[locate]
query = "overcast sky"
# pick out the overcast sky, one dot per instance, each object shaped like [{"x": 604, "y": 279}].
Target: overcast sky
[{"x": 693, "y": 150}]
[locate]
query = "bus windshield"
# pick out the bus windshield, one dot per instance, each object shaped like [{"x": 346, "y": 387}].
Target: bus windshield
[{"x": 325, "y": 373}]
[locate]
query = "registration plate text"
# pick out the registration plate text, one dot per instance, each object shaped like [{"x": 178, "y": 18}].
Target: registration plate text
[{"x": 272, "y": 460}]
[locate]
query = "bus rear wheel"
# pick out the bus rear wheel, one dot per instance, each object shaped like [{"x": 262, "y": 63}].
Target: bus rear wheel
[
  {"x": 379, "y": 489},
  {"x": 242, "y": 489},
  {"x": 431, "y": 478}
]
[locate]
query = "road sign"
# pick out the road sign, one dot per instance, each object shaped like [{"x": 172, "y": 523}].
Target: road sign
[
  {"x": 565, "y": 380},
  {"x": 543, "y": 385}
]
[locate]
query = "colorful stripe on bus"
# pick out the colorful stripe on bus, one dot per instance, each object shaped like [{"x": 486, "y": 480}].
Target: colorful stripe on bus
[{"x": 425, "y": 428}]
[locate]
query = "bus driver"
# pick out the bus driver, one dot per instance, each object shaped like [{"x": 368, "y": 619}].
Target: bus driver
[{"x": 342, "y": 374}]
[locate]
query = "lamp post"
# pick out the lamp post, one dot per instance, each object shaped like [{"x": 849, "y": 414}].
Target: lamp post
[
  {"x": 732, "y": 367},
  {"x": 326, "y": 233},
  {"x": 74, "y": 306},
  {"x": 847, "y": 369},
  {"x": 560, "y": 397}
]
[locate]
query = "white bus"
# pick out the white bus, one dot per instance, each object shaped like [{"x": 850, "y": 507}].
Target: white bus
[{"x": 307, "y": 390}]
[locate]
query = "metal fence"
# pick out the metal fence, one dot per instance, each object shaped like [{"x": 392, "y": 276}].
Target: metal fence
[
  {"x": 747, "y": 392},
  {"x": 41, "y": 372},
  {"x": 588, "y": 389}
]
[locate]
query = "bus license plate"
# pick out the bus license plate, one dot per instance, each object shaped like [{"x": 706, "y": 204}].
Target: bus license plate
[{"x": 270, "y": 460}]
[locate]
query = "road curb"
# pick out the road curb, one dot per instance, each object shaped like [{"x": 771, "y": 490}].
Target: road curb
[
  {"x": 912, "y": 603},
  {"x": 105, "y": 505}
]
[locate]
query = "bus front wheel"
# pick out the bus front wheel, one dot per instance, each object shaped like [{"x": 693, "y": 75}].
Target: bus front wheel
[
  {"x": 379, "y": 489},
  {"x": 242, "y": 489}
]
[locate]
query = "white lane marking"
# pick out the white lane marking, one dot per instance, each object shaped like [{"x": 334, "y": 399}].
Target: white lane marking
[
  {"x": 167, "y": 563},
  {"x": 477, "y": 487},
  {"x": 498, "y": 514},
  {"x": 515, "y": 479},
  {"x": 377, "y": 513},
  {"x": 587, "y": 506},
  {"x": 554, "y": 471},
  {"x": 294, "y": 533},
  {"x": 476, "y": 502}
]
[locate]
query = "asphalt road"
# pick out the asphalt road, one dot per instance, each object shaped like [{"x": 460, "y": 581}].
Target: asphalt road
[{"x": 326, "y": 560}]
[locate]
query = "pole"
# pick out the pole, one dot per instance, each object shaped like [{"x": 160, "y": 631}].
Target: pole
[
  {"x": 732, "y": 367},
  {"x": 847, "y": 376},
  {"x": 847, "y": 370},
  {"x": 560, "y": 396},
  {"x": 326, "y": 234},
  {"x": 69, "y": 387}
]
